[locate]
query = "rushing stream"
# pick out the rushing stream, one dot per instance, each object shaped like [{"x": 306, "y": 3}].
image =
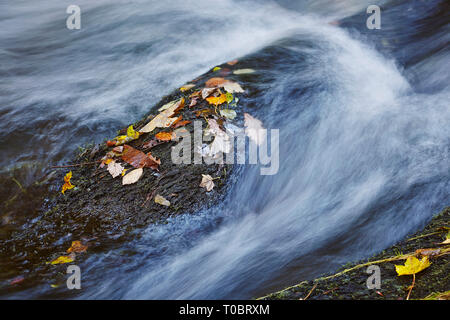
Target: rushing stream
[{"x": 363, "y": 117}]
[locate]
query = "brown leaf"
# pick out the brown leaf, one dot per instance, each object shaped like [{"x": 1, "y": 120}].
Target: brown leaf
[
  {"x": 152, "y": 143},
  {"x": 232, "y": 62},
  {"x": 181, "y": 124},
  {"x": 77, "y": 247},
  {"x": 139, "y": 159},
  {"x": 215, "y": 82},
  {"x": 429, "y": 252},
  {"x": 193, "y": 102},
  {"x": 165, "y": 136}
]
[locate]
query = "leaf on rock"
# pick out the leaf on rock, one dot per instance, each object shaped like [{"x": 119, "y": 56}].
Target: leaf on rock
[
  {"x": 206, "y": 92},
  {"x": 447, "y": 239},
  {"x": 162, "y": 201},
  {"x": 181, "y": 124},
  {"x": 232, "y": 87},
  {"x": 412, "y": 266},
  {"x": 254, "y": 129},
  {"x": 114, "y": 168},
  {"x": 216, "y": 69},
  {"x": 133, "y": 176},
  {"x": 215, "y": 82},
  {"x": 232, "y": 62},
  {"x": 228, "y": 113},
  {"x": 67, "y": 184},
  {"x": 207, "y": 182},
  {"x": 164, "y": 119},
  {"x": 63, "y": 259},
  {"x": 152, "y": 143},
  {"x": 243, "y": 71},
  {"x": 165, "y": 136},
  {"x": 217, "y": 100},
  {"x": 193, "y": 102},
  {"x": 77, "y": 247},
  {"x": 130, "y": 136},
  {"x": 429, "y": 252},
  {"x": 139, "y": 159}
]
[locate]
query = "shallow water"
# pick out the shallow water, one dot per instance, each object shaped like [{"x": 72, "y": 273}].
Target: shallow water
[{"x": 363, "y": 118}]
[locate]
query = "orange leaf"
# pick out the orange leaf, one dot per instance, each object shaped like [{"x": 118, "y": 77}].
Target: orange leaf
[
  {"x": 77, "y": 246},
  {"x": 164, "y": 136},
  {"x": 181, "y": 124},
  {"x": 232, "y": 62}
]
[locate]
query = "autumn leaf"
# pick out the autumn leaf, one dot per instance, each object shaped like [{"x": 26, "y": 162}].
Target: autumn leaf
[
  {"x": 232, "y": 87},
  {"x": 429, "y": 252},
  {"x": 193, "y": 102},
  {"x": 206, "y": 92},
  {"x": 207, "y": 182},
  {"x": 163, "y": 119},
  {"x": 161, "y": 200},
  {"x": 165, "y": 136},
  {"x": 114, "y": 168},
  {"x": 67, "y": 184},
  {"x": 152, "y": 143},
  {"x": 170, "y": 105},
  {"x": 243, "y": 71},
  {"x": 181, "y": 124},
  {"x": 63, "y": 259},
  {"x": 187, "y": 87},
  {"x": 77, "y": 247},
  {"x": 228, "y": 113},
  {"x": 215, "y": 82},
  {"x": 232, "y": 62},
  {"x": 132, "y": 176},
  {"x": 217, "y": 100},
  {"x": 216, "y": 69},
  {"x": 139, "y": 159},
  {"x": 130, "y": 136},
  {"x": 412, "y": 266}
]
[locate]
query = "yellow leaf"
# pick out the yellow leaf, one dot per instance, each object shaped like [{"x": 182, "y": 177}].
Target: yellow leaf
[
  {"x": 412, "y": 266},
  {"x": 67, "y": 185},
  {"x": 447, "y": 239},
  {"x": 187, "y": 87},
  {"x": 131, "y": 133},
  {"x": 216, "y": 69},
  {"x": 63, "y": 259},
  {"x": 217, "y": 100},
  {"x": 161, "y": 200},
  {"x": 164, "y": 119}
]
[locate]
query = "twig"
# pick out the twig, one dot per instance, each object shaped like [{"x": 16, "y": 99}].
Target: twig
[
  {"x": 307, "y": 296},
  {"x": 412, "y": 286},
  {"x": 77, "y": 165}
]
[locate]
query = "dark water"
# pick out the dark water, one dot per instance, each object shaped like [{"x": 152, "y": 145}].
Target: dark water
[{"x": 363, "y": 116}]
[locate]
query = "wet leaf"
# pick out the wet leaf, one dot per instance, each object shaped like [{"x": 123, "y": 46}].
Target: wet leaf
[
  {"x": 181, "y": 124},
  {"x": 165, "y": 136},
  {"x": 216, "y": 69},
  {"x": 412, "y": 266},
  {"x": 161, "y": 200},
  {"x": 139, "y": 159},
  {"x": 133, "y": 176},
  {"x": 63, "y": 259},
  {"x": 163, "y": 119},
  {"x": 114, "y": 168},
  {"x": 171, "y": 104},
  {"x": 430, "y": 252},
  {"x": 447, "y": 240},
  {"x": 215, "y": 82},
  {"x": 206, "y": 92},
  {"x": 207, "y": 182},
  {"x": 232, "y": 87},
  {"x": 217, "y": 100},
  {"x": 232, "y": 62},
  {"x": 67, "y": 184},
  {"x": 243, "y": 71},
  {"x": 77, "y": 247},
  {"x": 193, "y": 102},
  {"x": 228, "y": 113},
  {"x": 130, "y": 136},
  {"x": 152, "y": 143}
]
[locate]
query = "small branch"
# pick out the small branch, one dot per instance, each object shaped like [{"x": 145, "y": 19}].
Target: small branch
[
  {"x": 412, "y": 286},
  {"x": 307, "y": 296},
  {"x": 77, "y": 165}
]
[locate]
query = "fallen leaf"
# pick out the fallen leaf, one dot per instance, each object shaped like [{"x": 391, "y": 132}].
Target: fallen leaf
[
  {"x": 216, "y": 69},
  {"x": 243, "y": 71},
  {"x": 123, "y": 172},
  {"x": 67, "y": 184},
  {"x": 217, "y": 100},
  {"x": 165, "y": 136},
  {"x": 206, "y": 92},
  {"x": 228, "y": 113},
  {"x": 254, "y": 129},
  {"x": 130, "y": 136},
  {"x": 215, "y": 82},
  {"x": 163, "y": 119},
  {"x": 181, "y": 124},
  {"x": 63, "y": 259},
  {"x": 77, "y": 247},
  {"x": 412, "y": 266},
  {"x": 162, "y": 201},
  {"x": 16, "y": 280},
  {"x": 193, "y": 102},
  {"x": 115, "y": 169},
  {"x": 447, "y": 240},
  {"x": 152, "y": 143},
  {"x": 232, "y": 87},
  {"x": 203, "y": 112},
  {"x": 187, "y": 87},
  {"x": 232, "y": 62},
  {"x": 133, "y": 176},
  {"x": 207, "y": 182},
  {"x": 139, "y": 159},
  {"x": 169, "y": 105}
]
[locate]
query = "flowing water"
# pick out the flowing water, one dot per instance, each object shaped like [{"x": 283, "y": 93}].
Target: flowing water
[{"x": 363, "y": 116}]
